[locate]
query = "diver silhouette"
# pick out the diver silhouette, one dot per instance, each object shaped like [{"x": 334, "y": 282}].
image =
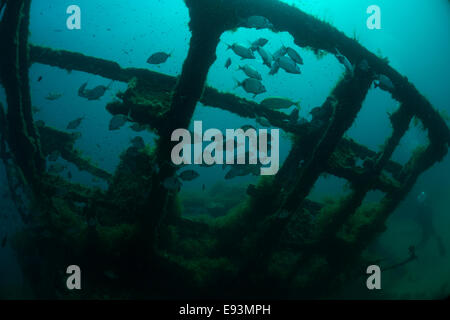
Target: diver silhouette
[{"x": 425, "y": 220}]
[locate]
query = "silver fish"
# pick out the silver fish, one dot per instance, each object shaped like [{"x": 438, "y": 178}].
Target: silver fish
[
  {"x": 188, "y": 175},
  {"x": 288, "y": 65},
  {"x": 251, "y": 85},
  {"x": 294, "y": 55},
  {"x": 257, "y": 22},
  {"x": 384, "y": 83},
  {"x": 75, "y": 123},
  {"x": 279, "y": 53},
  {"x": 275, "y": 68},
  {"x": 95, "y": 93},
  {"x": 343, "y": 59},
  {"x": 117, "y": 122},
  {"x": 261, "y": 42},
  {"x": 241, "y": 51},
  {"x": 250, "y": 72},
  {"x": 228, "y": 63},
  {"x": 279, "y": 103},
  {"x": 158, "y": 58},
  {"x": 266, "y": 56}
]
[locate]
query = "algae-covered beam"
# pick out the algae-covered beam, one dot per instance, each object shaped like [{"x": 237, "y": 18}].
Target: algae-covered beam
[
  {"x": 211, "y": 97},
  {"x": 63, "y": 142},
  {"x": 22, "y": 135}
]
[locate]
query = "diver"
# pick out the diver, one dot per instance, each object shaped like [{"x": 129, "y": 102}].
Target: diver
[{"x": 424, "y": 217}]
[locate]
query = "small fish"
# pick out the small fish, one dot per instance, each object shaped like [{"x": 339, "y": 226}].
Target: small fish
[
  {"x": 158, "y": 58},
  {"x": 117, "y": 122},
  {"x": 294, "y": 55},
  {"x": 138, "y": 142},
  {"x": 203, "y": 187},
  {"x": 280, "y": 53},
  {"x": 56, "y": 168},
  {"x": 261, "y": 42},
  {"x": 228, "y": 63},
  {"x": 53, "y": 96},
  {"x": 384, "y": 83},
  {"x": 257, "y": 22},
  {"x": 137, "y": 127},
  {"x": 188, "y": 175},
  {"x": 54, "y": 156},
  {"x": 342, "y": 59},
  {"x": 266, "y": 56},
  {"x": 274, "y": 69},
  {"x": 288, "y": 65},
  {"x": 250, "y": 72},
  {"x": 35, "y": 109},
  {"x": 251, "y": 85},
  {"x": 39, "y": 79},
  {"x": 241, "y": 51},
  {"x": 4, "y": 241},
  {"x": 172, "y": 184},
  {"x": 279, "y": 103},
  {"x": 95, "y": 93},
  {"x": 74, "y": 123},
  {"x": 242, "y": 170}
]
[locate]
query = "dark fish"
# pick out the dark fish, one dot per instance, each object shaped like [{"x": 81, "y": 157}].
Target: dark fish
[
  {"x": 172, "y": 184},
  {"x": 74, "y": 123},
  {"x": 93, "y": 94},
  {"x": 294, "y": 55},
  {"x": 39, "y": 79},
  {"x": 242, "y": 170},
  {"x": 203, "y": 187},
  {"x": 158, "y": 58},
  {"x": 5, "y": 239},
  {"x": 137, "y": 127},
  {"x": 117, "y": 122},
  {"x": 228, "y": 63},
  {"x": 261, "y": 42},
  {"x": 188, "y": 175},
  {"x": 53, "y": 96},
  {"x": 56, "y": 168}
]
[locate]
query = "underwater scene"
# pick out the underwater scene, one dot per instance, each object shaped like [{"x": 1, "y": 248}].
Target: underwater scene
[{"x": 224, "y": 149}]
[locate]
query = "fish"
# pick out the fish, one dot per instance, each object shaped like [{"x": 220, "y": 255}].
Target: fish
[
  {"x": 117, "y": 122},
  {"x": 279, "y": 103},
  {"x": 4, "y": 241},
  {"x": 280, "y": 53},
  {"x": 241, "y": 51},
  {"x": 137, "y": 127},
  {"x": 39, "y": 79},
  {"x": 294, "y": 55},
  {"x": 288, "y": 65},
  {"x": 54, "y": 156},
  {"x": 172, "y": 183},
  {"x": 69, "y": 175},
  {"x": 75, "y": 123},
  {"x": 138, "y": 142},
  {"x": 261, "y": 42},
  {"x": 158, "y": 58},
  {"x": 188, "y": 175},
  {"x": 95, "y": 93},
  {"x": 56, "y": 168},
  {"x": 228, "y": 63},
  {"x": 251, "y": 85},
  {"x": 274, "y": 69},
  {"x": 266, "y": 56},
  {"x": 257, "y": 22},
  {"x": 203, "y": 187},
  {"x": 35, "y": 109},
  {"x": 384, "y": 83},
  {"x": 52, "y": 96},
  {"x": 343, "y": 59},
  {"x": 250, "y": 72}
]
